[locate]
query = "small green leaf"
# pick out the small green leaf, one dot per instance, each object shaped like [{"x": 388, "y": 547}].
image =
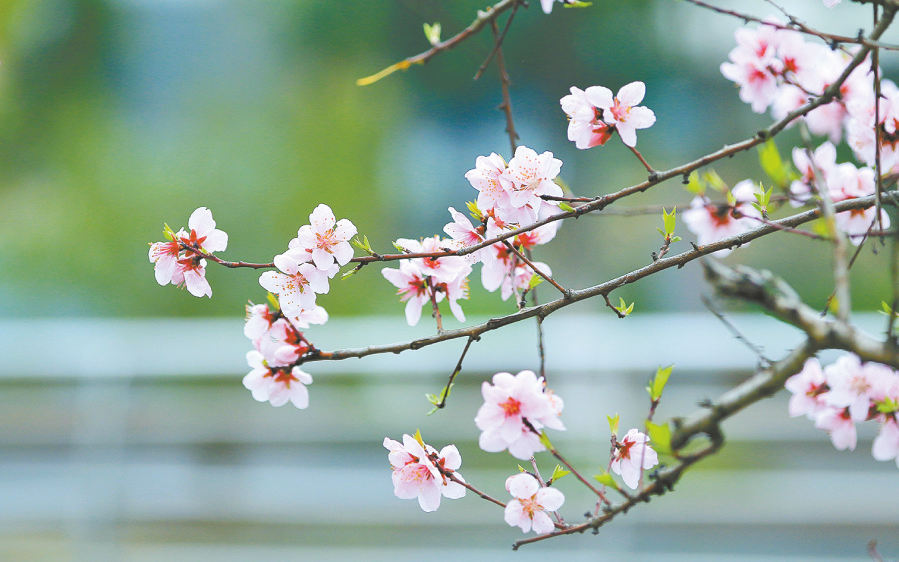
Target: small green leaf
[
  {"x": 521, "y": 469},
  {"x": 349, "y": 273},
  {"x": 606, "y": 479},
  {"x": 168, "y": 233},
  {"x": 669, "y": 220},
  {"x": 888, "y": 405},
  {"x": 675, "y": 239},
  {"x": 714, "y": 181},
  {"x": 577, "y": 4},
  {"x": 658, "y": 383},
  {"x": 780, "y": 172},
  {"x": 544, "y": 440},
  {"x": 417, "y": 437},
  {"x": 473, "y": 210},
  {"x": 432, "y": 398},
  {"x": 273, "y": 304},
  {"x": 358, "y": 243},
  {"x": 695, "y": 185},
  {"x": 432, "y": 33},
  {"x": 613, "y": 423},
  {"x": 559, "y": 472},
  {"x": 659, "y": 437},
  {"x": 399, "y": 248},
  {"x": 535, "y": 280},
  {"x": 565, "y": 207}
]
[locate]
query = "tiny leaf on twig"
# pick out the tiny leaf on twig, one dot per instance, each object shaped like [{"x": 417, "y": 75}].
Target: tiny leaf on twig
[
  {"x": 658, "y": 383},
  {"x": 432, "y": 33},
  {"x": 660, "y": 437}
]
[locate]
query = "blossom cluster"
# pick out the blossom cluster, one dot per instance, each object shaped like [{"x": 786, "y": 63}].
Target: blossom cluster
[
  {"x": 845, "y": 393},
  {"x": 416, "y": 473},
  {"x": 820, "y": 171},
  {"x": 776, "y": 68},
  {"x": 516, "y": 408},
  {"x": 510, "y": 196},
  {"x": 180, "y": 261},
  {"x": 594, "y": 114}
]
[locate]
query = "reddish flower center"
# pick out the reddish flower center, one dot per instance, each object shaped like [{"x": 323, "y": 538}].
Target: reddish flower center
[{"x": 511, "y": 407}]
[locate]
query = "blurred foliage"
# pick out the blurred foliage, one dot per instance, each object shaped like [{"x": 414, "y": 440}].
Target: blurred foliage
[{"x": 120, "y": 115}]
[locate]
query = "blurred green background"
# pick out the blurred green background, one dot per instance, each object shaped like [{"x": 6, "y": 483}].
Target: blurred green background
[{"x": 117, "y": 116}]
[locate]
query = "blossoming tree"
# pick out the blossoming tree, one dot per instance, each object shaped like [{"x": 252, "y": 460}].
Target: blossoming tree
[{"x": 831, "y": 87}]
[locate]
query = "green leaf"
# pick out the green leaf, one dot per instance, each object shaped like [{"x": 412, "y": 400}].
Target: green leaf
[
  {"x": 887, "y": 309},
  {"x": 658, "y": 383},
  {"x": 577, "y": 4},
  {"x": 565, "y": 207},
  {"x": 399, "y": 248},
  {"x": 432, "y": 398},
  {"x": 544, "y": 440},
  {"x": 659, "y": 437},
  {"x": 273, "y": 303},
  {"x": 535, "y": 280},
  {"x": 432, "y": 33},
  {"x": 473, "y": 210},
  {"x": 780, "y": 172},
  {"x": 168, "y": 232},
  {"x": 675, "y": 239},
  {"x": 669, "y": 220},
  {"x": 613, "y": 423},
  {"x": 417, "y": 437},
  {"x": 559, "y": 472},
  {"x": 521, "y": 469},
  {"x": 353, "y": 271},
  {"x": 715, "y": 182},
  {"x": 695, "y": 185},
  {"x": 606, "y": 479}
]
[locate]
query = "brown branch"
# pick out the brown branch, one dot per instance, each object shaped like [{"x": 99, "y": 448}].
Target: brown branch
[
  {"x": 483, "y": 18},
  {"x": 506, "y": 106},
  {"x": 574, "y": 296}
]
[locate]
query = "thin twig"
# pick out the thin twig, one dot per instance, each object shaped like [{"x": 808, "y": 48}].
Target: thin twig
[
  {"x": 456, "y": 371},
  {"x": 506, "y": 106},
  {"x": 498, "y": 42}
]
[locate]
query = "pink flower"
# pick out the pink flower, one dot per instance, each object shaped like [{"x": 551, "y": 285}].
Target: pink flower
[
  {"x": 326, "y": 238},
  {"x": 179, "y": 261},
  {"x": 415, "y": 474},
  {"x": 515, "y": 409},
  {"x": 487, "y": 178},
  {"x": 815, "y": 171},
  {"x": 840, "y": 425},
  {"x": 529, "y": 176},
  {"x": 754, "y": 66},
  {"x": 296, "y": 286},
  {"x": 886, "y": 444},
  {"x": 585, "y": 125},
  {"x": 808, "y": 387},
  {"x": 621, "y": 111},
  {"x": 412, "y": 287},
  {"x": 529, "y": 510},
  {"x": 631, "y": 455},
  {"x": 276, "y": 385},
  {"x": 465, "y": 235}
]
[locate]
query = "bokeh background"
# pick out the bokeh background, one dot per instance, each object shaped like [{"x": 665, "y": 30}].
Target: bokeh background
[{"x": 124, "y": 430}]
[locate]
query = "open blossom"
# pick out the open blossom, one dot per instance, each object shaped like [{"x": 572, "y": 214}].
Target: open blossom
[
  {"x": 465, "y": 235},
  {"x": 179, "y": 261},
  {"x": 412, "y": 287},
  {"x": 631, "y": 456},
  {"x": 327, "y": 239},
  {"x": 276, "y": 385},
  {"x": 531, "y": 504},
  {"x": 516, "y": 408},
  {"x": 620, "y": 113},
  {"x": 296, "y": 285},
  {"x": 415, "y": 474},
  {"x": 807, "y": 386}
]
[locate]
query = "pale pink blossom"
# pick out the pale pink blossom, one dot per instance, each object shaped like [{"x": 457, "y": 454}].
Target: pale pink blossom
[
  {"x": 754, "y": 66},
  {"x": 327, "y": 239},
  {"x": 585, "y": 125},
  {"x": 259, "y": 319},
  {"x": 465, "y": 235},
  {"x": 191, "y": 273},
  {"x": 808, "y": 387},
  {"x": 164, "y": 256},
  {"x": 839, "y": 424},
  {"x": 296, "y": 285},
  {"x": 276, "y": 385},
  {"x": 622, "y": 112},
  {"x": 515, "y": 409},
  {"x": 412, "y": 287},
  {"x": 886, "y": 444},
  {"x": 529, "y": 176},
  {"x": 415, "y": 474},
  {"x": 203, "y": 233},
  {"x": 531, "y": 504},
  {"x": 487, "y": 177},
  {"x": 815, "y": 171},
  {"x": 631, "y": 456}
]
